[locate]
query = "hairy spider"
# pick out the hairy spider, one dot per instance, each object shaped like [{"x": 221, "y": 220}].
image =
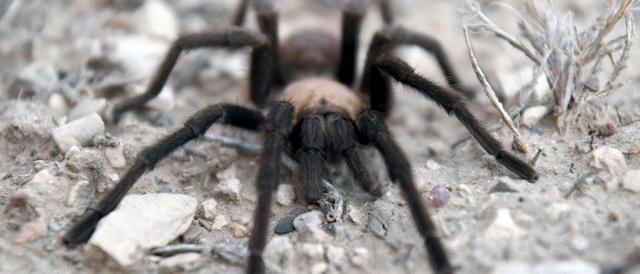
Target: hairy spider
[{"x": 310, "y": 115}]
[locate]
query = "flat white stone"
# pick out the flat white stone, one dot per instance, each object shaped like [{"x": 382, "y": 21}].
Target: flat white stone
[
  {"x": 79, "y": 132},
  {"x": 141, "y": 222},
  {"x": 87, "y": 107},
  {"x": 609, "y": 159},
  {"x": 285, "y": 195},
  {"x": 632, "y": 181}
]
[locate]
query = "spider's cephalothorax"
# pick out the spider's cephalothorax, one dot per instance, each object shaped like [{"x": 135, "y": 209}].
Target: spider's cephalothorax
[{"x": 311, "y": 113}]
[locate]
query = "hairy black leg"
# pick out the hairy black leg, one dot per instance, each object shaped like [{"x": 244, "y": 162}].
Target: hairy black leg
[
  {"x": 341, "y": 139},
  {"x": 268, "y": 22},
  {"x": 454, "y": 105},
  {"x": 279, "y": 126},
  {"x": 309, "y": 144},
  {"x": 232, "y": 38},
  {"x": 386, "y": 40},
  {"x": 352, "y": 16},
  {"x": 373, "y": 131},
  {"x": 150, "y": 156},
  {"x": 240, "y": 13}
]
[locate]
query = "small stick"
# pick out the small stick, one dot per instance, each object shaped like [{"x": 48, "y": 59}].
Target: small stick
[
  {"x": 492, "y": 95},
  {"x": 534, "y": 161}
]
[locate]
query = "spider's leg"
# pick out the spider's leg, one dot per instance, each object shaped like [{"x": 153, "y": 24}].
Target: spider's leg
[
  {"x": 267, "y": 18},
  {"x": 372, "y": 130},
  {"x": 231, "y": 38},
  {"x": 150, "y": 156},
  {"x": 352, "y": 16},
  {"x": 454, "y": 105},
  {"x": 342, "y": 139},
  {"x": 240, "y": 14},
  {"x": 309, "y": 146},
  {"x": 279, "y": 123},
  {"x": 388, "y": 39}
]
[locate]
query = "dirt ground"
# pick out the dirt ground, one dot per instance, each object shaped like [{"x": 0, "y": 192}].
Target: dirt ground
[{"x": 54, "y": 54}]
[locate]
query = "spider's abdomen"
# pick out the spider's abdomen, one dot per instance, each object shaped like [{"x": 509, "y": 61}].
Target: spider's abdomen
[
  {"x": 310, "y": 52},
  {"x": 319, "y": 95}
]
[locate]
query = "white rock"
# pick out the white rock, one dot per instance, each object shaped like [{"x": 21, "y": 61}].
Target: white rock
[
  {"x": 432, "y": 165},
  {"x": 285, "y": 195},
  {"x": 140, "y": 54},
  {"x": 209, "y": 208},
  {"x": 141, "y": 222},
  {"x": 180, "y": 262},
  {"x": 315, "y": 252},
  {"x": 86, "y": 107},
  {"x": 47, "y": 193},
  {"x": 79, "y": 132},
  {"x": 319, "y": 268},
  {"x": 229, "y": 188},
  {"x": 58, "y": 103},
  {"x": 512, "y": 267},
  {"x": 609, "y": 159},
  {"x": 532, "y": 115},
  {"x": 310, "y": 225},
  {"x": 355, "y": 215},
  {"x": 308, "y": 221},
  {"x": 360, "y": 256},
  {"x": 566, "y": 267},
  {"x": 32, "y": 230},
  {"x": 158, "y": 20},
  {"x": 279, "y": 249},
  {"x": 503, "y": 227},
  {"x": 115, "y": 156},
  {"x": 228, "y": 173},
  {"x": 219, "y": 222},
  {"x": 79, "y": 196},
  {"x": 632, "y": 181},
  {"x": 335, "y": 254}
]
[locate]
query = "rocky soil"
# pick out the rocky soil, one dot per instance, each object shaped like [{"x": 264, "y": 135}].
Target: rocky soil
[{"x": 62, "y": 63}]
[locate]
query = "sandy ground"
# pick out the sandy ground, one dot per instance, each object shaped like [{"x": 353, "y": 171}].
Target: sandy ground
[{"x": 575, "y": 217}]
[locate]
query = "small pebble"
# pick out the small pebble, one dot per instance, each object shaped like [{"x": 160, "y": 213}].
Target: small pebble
[
  {"x": 502, "y": 186},
  {"x": 355, "y": 215},
  {"x": 209, "y": 208},
  {"x": 631, "y": 181},
  {"x": 229, "y": 188},
  {"x": 285, "y": 225},
  {"x": 439, "y": 196},
  {"x": 87, "y": 107},
  {"x": 78, "y": 133},
  {"x": 180, "y": 262},
  {"x": 308, "y": 221},
  {"x": 503, "y": 227},
  {"x": 335, "y": 254},
  {"x": 238, "y": 230},
  {"x": 158, "y": 20},
  {"x": 115, "y": 156},
  {"x": 219, "y": 222},
  {"x": 432, "y": 165},
  {"x": 360, "y": 256},
  {"x": 193, "y": 234},
  {"x": 607, "y": 130},
  {"x": 532, "y": 116},
  {"x": 18, "y": 199},
  {"x": 609, "y": 159},
  {"x": 319, "y": 268},
  {"x": 285, "y": 195},
  {"x": 312, "y": 251},
  {"x": 79, "y": 196},
  {"x": 32, "y": 230}
]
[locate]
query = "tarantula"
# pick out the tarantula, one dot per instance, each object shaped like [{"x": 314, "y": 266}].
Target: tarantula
[{"x": 310, "y": 115}]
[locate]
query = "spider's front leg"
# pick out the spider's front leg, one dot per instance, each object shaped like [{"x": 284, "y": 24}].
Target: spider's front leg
[
  {"x": 194, "y": 127},
  {"x": 278, "y": 128},
  {"x": 233, "y": 37},
  {"x": 454, "y": 105},
  {"x": 373, "y": 131}
]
